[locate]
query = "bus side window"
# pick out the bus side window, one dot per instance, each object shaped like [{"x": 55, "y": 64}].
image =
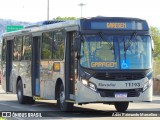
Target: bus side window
[
  {"x": 17, "y": 49},
  {"x": 46, "y": 45},
  {"x": 58, "y": 45},
  {"x": 26, "y": 51}
]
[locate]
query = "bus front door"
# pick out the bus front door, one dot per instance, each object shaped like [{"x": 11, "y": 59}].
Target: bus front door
[
  {"x": 36, "y": 66},
  {"x": 70, "y": 67}
]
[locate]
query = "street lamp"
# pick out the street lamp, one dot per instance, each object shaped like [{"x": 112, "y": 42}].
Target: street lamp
[
  {"x": 48, "y": 10},
  {"x": 81, "y": 5}
]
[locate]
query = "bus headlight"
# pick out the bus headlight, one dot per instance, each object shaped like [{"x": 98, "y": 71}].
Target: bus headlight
[
  {"x": 85, "y": 82},
  {"x": 89, "y": 84},
  {"x": 147, "y": 85}
]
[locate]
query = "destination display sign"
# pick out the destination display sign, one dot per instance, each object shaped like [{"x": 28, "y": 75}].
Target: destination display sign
[{"x": 117, "y": 24}]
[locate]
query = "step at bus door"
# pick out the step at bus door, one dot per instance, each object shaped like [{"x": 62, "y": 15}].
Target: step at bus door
[
  {"x": 9, "y": 57},
  {"x": 36, "y": 66}
]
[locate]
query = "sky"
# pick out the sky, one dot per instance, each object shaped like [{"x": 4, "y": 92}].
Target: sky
[{"x": 36, "y": 10}]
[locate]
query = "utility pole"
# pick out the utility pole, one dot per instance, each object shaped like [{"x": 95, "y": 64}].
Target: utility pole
[
  {"x": 81, "y": 5},
  {"x": 47, "y": 9}
]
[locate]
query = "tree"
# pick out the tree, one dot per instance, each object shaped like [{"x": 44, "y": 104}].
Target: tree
[
  {"x": 155, "y": 33},
  {"x": 65, "y": 18}
]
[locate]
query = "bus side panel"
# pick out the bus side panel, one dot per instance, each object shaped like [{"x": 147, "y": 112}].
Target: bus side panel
[
  {"x": 3, "y": 79},
  {"x": 25, "y": 73},
  {"x": 48, "y": 81},
  {"x": 47, "y": 89},
  {"x": 14, "y": 75}
]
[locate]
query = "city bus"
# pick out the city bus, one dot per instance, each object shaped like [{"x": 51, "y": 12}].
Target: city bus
[{"x": 90, "y": 60}]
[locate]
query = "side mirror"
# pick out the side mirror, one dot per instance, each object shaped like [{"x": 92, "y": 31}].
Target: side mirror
[{"x": 152, "y": 44}]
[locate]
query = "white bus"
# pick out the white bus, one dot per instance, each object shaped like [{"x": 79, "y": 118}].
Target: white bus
[{"x": 94, "y": 60}]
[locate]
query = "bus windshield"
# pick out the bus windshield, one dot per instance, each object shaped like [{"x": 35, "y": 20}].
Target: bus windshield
[{"x": 104, "y": 51}]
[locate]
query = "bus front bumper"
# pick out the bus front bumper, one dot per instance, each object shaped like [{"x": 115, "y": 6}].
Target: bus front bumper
[{"x": 87, "y": 95}]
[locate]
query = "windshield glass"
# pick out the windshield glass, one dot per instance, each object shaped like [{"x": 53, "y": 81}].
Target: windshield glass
[
  {"x": 135, "y": 54},
  {"x": 103, "y": 51},
  {"x": 97, "y": 51}
]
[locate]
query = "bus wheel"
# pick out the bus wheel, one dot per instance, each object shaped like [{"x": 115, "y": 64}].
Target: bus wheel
[
  {"x": 20, "y": 96},
  {"x": 64, "y": 106},
  {"x": 121, "y": 106}
]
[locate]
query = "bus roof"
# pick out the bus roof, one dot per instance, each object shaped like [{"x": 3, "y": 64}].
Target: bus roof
[
  {"x": 37, "y": 28},
  {"x": 84, "y": 22}
]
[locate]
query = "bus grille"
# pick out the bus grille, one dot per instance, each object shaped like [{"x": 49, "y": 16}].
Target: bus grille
[
  {"x": 111, "y": 93},
  {"x": 119, "y": 76}
]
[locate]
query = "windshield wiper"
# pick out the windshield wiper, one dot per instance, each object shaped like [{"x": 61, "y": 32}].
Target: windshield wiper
[
  {"x": 101, "y": 36},
  {"x": 130, "y": 41},
  {"x": 129, "y": 44}
]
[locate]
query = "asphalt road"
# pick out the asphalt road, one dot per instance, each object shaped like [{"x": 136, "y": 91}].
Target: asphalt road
[{"x": 8, "y": 102}]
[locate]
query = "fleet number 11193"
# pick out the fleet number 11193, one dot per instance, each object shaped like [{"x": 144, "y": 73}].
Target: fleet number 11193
[{"x": 132, "y": 84}]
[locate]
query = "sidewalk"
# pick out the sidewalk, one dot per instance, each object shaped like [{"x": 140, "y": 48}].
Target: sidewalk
[{"x": 1, "y": 90}]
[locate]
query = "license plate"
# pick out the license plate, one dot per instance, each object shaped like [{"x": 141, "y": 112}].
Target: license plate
[{"x": 120, "y": 95}]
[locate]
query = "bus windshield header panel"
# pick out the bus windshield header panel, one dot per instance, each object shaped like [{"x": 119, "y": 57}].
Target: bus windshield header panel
[{"x": 98, "y": 24}]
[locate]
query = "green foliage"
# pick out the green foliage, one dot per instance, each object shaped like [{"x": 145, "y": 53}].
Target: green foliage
[
  {"x": 2, "y": 118},
  {"x": 155, "y": 33},
  {"x": 46, "y": 53},
  {"x": 65, "y": 18},
  {"x": 156, "y": 68}
]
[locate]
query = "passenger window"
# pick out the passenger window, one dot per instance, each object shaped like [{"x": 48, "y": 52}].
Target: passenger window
[
  {"x": 26, "y": 52},
  {"x": 52, "y": 45},
  {"x": 46, "y": 48},
  {"x": 17, "y": 49},
  {"x": 58, "y": 45}
]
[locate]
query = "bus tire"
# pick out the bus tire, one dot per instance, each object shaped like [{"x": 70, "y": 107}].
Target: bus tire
[
  {"x": 121, "y": 106},
  {"x": 64, "y": 106},
  {"x": 21, "y": 98}
]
